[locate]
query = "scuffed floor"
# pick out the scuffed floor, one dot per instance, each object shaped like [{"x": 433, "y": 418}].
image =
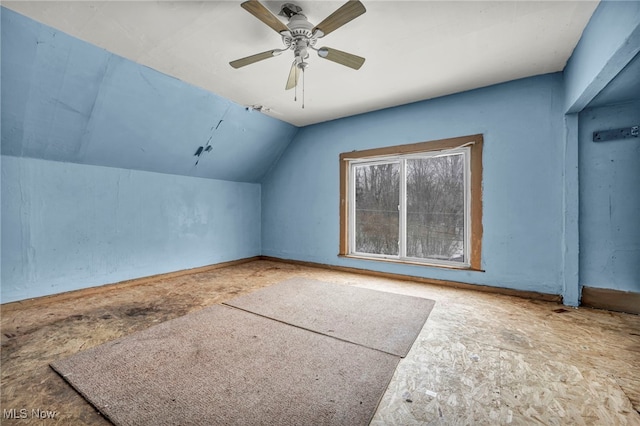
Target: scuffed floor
[{"x": 480, "y": 359}]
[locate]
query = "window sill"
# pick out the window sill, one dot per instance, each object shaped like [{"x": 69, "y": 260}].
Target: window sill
[{"x": 409, "y": 262}]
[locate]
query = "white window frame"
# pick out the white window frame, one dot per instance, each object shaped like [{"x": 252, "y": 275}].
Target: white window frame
[{"x": 401, "y": 159}]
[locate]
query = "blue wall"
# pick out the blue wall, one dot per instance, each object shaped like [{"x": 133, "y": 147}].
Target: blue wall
[
  {"x": 610, "y": 200},
  {"x": 99, "y": 181},
  {"x": 68, "y": 226},
  {"x": 544, "y": 225},
  {"x": 522, "y": 123},
  {"x": 601, "y": 203}
]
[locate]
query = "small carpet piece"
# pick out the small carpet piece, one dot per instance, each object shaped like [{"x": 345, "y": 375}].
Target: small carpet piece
[
  {"x": 379, "y": 320},
  {"x": 224, "y": 366}
]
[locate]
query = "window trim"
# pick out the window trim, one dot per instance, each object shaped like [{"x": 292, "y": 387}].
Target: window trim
[{"x": 475, "y": 194}]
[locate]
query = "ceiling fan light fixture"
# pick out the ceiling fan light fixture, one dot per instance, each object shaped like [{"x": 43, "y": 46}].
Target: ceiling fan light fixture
[{"x": 300, "y": 35}]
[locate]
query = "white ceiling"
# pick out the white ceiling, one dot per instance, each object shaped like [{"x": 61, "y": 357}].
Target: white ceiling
[{"x": 415, "y": 50}]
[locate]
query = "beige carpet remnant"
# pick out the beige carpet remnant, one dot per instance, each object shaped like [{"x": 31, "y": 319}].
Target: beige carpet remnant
[
  {"x": 379, "y": 320},
  {"x": 228, "y": 366}
]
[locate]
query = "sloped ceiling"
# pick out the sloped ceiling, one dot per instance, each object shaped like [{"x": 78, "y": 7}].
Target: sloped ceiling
[
  {"x": 66, "y": 100},
  {"x": 415, "y": 50}
]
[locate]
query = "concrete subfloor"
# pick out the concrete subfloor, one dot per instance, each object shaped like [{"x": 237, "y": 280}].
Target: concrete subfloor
[{"x": 480, "y": 359}]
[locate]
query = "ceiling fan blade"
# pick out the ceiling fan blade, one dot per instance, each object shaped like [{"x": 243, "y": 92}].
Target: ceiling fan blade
[
  {"x": 342, "y": 58},
  {"x": 262, "y": 13},
  {"x": 344, "y": 14},
  {"x": 294, "y": 74},
  {"x": 238, "y": 63}
]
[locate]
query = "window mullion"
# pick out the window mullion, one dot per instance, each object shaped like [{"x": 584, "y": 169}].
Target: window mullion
[
  {"x": 402, "y": 211},
  {"x": 352, "y": 208},
  {"x": 467, "y": 204}
]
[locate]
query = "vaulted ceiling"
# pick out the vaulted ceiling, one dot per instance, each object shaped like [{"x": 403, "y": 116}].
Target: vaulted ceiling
[
  {"x": 414, "y": 50},
  {"x": 69, "y": 101}
]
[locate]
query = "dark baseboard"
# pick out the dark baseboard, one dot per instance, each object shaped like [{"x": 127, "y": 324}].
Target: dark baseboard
[
  {"x": 612, "y": 300},
  {"x": 454, "y": 284},
  {"x": 91, "y": 291}
]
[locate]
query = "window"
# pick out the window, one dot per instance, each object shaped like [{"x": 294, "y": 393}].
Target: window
[{"x": 418, "y": 203}]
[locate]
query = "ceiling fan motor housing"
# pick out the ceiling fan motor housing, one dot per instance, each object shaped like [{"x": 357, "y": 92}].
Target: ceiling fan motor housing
[
  {"x": 299, "y": 26},
  {"x": 299, "y": 37}
]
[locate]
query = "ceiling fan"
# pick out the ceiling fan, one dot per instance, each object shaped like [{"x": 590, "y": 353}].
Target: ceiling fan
[{"x": 300, "y": 35}]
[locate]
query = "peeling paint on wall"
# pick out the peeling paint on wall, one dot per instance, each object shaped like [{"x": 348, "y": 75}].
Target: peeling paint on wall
[{"x": 66, "y": 100}]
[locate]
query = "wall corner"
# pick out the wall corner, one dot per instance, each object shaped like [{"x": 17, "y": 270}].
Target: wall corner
[{"x": 570, "y": 214}]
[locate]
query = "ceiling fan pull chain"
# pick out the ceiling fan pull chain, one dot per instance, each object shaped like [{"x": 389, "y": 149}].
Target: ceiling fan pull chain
[{"x": 302, "y": 88}]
